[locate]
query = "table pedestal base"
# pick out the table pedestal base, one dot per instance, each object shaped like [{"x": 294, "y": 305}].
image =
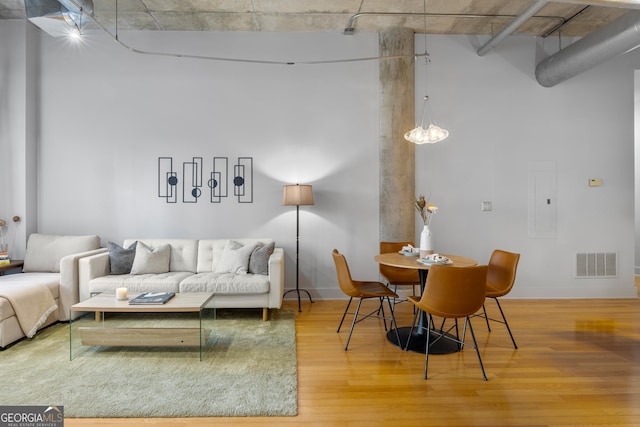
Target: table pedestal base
[{"x": 419, "y": 341}]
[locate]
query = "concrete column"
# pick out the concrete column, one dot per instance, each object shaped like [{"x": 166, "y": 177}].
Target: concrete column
[{"x": 397, "y": 155}]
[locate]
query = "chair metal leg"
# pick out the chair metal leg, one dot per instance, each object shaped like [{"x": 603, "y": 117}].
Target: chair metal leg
[
  {"x": 392, "y": 323},
  {"x": 506, "y": 323},
  {"x": 397, "y": 300},
  {"x": 344, "y": 314},
  {"x": 381, "y": 310},
  {"x": 413, "y": 325},
  {"x": 475, "y": 345},
  {"x": 353, "y": 324},
  {"x": 486, "y": 318},
  {"x": 426, "y": 350},
  {"x": 395, "y": 289}
]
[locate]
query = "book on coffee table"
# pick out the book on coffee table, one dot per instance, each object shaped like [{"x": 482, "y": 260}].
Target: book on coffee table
[{"x": 153, "y": 298}]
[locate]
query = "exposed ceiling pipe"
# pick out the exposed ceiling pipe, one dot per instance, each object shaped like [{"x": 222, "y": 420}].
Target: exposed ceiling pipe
[
  {"x": 512, "y": 27},
  {"x": 619, "y": 37}
]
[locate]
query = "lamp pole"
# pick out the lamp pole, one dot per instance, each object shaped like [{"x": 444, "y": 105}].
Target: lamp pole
[
  {"x": 298, "y": 195},
  {"x": 297, "y": 290}
]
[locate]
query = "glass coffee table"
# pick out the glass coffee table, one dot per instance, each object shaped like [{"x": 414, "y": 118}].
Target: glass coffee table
[{"x": 88, "y": 330}]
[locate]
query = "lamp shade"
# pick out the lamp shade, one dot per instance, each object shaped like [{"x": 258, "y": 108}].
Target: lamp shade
[{"x": 297, "y": 195}]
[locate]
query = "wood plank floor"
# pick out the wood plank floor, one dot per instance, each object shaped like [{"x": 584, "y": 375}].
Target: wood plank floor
[{"x": 578, "y": 364}]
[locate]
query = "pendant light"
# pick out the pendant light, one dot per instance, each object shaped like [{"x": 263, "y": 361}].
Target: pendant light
[{"x": 432, "y": 133}]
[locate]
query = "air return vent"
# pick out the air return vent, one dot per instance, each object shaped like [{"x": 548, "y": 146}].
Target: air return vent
[{"x": 596, "y": 265}]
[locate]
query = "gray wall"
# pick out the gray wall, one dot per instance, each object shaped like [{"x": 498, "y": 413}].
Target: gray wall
[{"x": 107, "y": 114}]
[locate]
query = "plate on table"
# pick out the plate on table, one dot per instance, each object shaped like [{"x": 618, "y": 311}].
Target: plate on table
[
  {"x": 409, "y": 253},
  {"x": 435, "y": 259}
]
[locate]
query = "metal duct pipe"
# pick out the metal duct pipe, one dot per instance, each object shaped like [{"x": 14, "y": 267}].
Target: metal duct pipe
[
  {"x": 619, "y": 37},
  {"x": 58, "y": 17},
  {"x": 513, "y": 26}
]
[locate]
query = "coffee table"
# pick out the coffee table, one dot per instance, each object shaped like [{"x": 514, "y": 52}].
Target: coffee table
[{"x": 99, "y": 331}]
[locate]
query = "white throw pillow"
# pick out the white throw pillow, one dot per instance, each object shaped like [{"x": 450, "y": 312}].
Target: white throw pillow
[
  {"x": 235, "y": 258},
  {"x": 151, "y": 261}
]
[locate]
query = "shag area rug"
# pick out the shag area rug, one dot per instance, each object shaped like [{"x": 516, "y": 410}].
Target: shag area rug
[{"x": 250, "y": 369}]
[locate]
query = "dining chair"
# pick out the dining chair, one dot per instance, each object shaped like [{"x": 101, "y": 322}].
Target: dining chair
[
  {"x": 500, "y": 279},
  {"x": 450, "y": 293},
  {"x": 398, "y": 276},
  {"x": 362, "y": 290}
]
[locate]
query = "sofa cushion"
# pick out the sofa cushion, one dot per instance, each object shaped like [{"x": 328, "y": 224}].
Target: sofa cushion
[
  {"x": 235, "y": 258},
  {"x": 259, "y": 260},
  {"x": 121, "y": 259},
  {"x": 138, "y": 283},
  {"x": 44, "y": 251},
  {"x": 151, "y": 261},
  {"x": 226, "y": 284}
]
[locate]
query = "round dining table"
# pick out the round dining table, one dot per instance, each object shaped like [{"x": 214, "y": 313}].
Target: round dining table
[{"x": 418, "y": 336}]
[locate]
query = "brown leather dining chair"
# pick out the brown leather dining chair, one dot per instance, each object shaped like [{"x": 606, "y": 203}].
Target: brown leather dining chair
[
  {"x": 500, "y": 279},
  {"x": 363, "y": 290},
  {"x": 398, "y": 276},
  {"x": 451, "y": 293}
]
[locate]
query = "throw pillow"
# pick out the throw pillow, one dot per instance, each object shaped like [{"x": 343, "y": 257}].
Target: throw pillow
[
  {"x": 151, "y": 261},
  {"x": 121, "y": 259},
  {"x": 259, "y": 261},
  {"x": 234, "y": 258}
]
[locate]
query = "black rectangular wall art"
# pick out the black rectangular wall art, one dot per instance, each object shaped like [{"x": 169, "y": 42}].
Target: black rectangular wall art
[
  {"x": 219, "y": 183},
  {"x": 192, "y": 180},
  {"x": 167, "y": 180},
  {"x": 217, "y": 180},
  {"x": 243, "y": 180}
]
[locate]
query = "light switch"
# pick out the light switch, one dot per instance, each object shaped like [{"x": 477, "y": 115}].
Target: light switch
[
  {"x": 486, "y": 206},
  {"x": 595, "y": 182}
]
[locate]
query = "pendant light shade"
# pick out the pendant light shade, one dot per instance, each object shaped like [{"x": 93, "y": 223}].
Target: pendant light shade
[{"x": 430, "y": 135}]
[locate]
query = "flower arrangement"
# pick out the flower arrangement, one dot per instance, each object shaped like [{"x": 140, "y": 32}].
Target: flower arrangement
[{"x": 425, "y": 209}]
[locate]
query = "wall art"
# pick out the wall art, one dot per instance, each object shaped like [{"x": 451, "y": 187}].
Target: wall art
[{"x": 191, "y": 180}]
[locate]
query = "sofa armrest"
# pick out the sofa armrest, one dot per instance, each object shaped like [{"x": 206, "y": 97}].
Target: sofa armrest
[
  {"x": 276, "y": 278},
  {"x": 69, "y": 281},
  {"x": 89, "y": 268}
]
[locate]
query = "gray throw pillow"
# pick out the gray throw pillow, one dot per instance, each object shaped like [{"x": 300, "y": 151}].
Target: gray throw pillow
[
  {"x": 259, "y": 261},
  {"x": 121, "y": 259}
]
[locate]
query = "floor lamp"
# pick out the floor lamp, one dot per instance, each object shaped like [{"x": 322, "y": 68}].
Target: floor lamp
[{"x": 297, "y": 195}]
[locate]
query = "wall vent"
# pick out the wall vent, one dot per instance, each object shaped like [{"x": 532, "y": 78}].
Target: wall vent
[{"x": 596, "y": 265}]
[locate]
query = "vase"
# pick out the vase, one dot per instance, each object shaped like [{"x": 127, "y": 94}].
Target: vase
[{"x": 426, "y": 242}]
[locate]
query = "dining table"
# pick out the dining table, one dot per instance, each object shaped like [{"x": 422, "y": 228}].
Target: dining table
[{"x": 418, "y": 334}]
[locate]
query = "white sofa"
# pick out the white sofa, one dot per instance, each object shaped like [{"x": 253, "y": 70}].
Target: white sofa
[
  {"x": 47, "y": 287},
  {"x": 194, "y": 266}
]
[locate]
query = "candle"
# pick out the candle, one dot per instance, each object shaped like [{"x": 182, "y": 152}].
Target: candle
[{"x": 121, "y": 294}]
